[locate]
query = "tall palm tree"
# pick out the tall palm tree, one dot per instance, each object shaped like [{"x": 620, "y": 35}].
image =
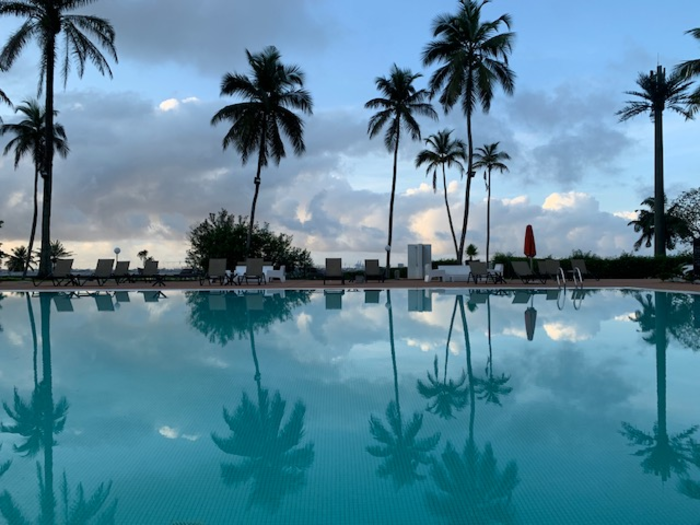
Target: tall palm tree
[
  {"x": 493, "y": 386},
  {"x": 676, "y": 227},
  {"x": 401, "y": 449},
  {"x": 656, "y": 93},
  {"x": 443, "y": 151},
  {"x": 691, "y": 69},
  {"x": 489, "y": 158},
  {"x": 29, "y": 138},
  {"x": 474, "y": 60},
  {"x": 43, "y": 21},
  {"x": 399, "y": 102},
  {"x": 269, "y": 95}
]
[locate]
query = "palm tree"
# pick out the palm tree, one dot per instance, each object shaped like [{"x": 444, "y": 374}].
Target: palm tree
[
  {"x": 4, "y": 98},
  {"x": 493, "y": 386},
  {"x": 19, "y": 259},
  {"x": 396, "y": 108},
  {"x": 43, "y": 21},
  {"x": 474, "y": 58},
  {"x": 448, "y": 394},
  {"x": 691, "y": 69},
  {"x": 443, "y": 151},
  {"x": 676, "y": 227},
  {"x": 489, "y": 158},
  {"x": 29, "y": 138},
  {"x": 401, "y": 449},
  {"x": 270, "y": 94},
  {"x": 658, "y": 92}
]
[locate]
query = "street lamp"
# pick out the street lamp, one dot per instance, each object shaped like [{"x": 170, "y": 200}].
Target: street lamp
[{"x": 117, "y": 251}]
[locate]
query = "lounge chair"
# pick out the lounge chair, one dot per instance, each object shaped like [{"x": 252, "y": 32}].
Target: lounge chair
[
  {"x": 334, "y": 271},
  {"x": 152, "y": 296},
  {"x": 478, "y": 271},
  {"x": 61, "y": 275},
  {"x": 122, "y": 296},
  {"x": 150, "y": 273},
  {"x": 551, "y": 268},
  {"x": 525, "y": 274},
  {"x": 63, "y": 302},
  {"x": 121, "y": 272},
  {"x": 372, "y": 296},
  {"x": 215, "y": 273},
  {"x": 104, "y": 302},
  {"x": 373, "y": 270},
  {"x": 334, "y": 299},
  {"x": 496, "y": 274},
  {"x": 102, "y": 273},
  {"x": 578, "y": 268},
  {"x": 254, "y": 271}
]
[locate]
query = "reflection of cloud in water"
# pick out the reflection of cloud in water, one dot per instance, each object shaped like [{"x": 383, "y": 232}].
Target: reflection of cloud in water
[
  {"x": 425, "y": 346},
  {"x": 168, "y": 432},
  {"x": 304, "y": 320},
  {"x": 190, "y": 437},
  {"x": 215, "y": 362},
  {"x": 515, "y": 332},
  {"x": 15, "y": 338},
  {"x": 625, "y": 318},
  {"x": 561, "y": 332}
]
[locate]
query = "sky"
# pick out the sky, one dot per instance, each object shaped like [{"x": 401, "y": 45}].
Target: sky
[{"x": 146, "y": 165}]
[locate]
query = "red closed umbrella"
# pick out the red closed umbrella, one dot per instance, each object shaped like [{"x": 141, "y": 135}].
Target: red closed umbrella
[
  {"x": 530, "y": 322},
  {"x": 530, "y": 249}
]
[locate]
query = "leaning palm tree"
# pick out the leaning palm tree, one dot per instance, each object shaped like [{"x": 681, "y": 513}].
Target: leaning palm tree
[
  {"x": 489, "y": 158},
  {"x": 658, "y": 92},
  {"x": 28, "y": 139},
  {"x": 269, "y": 95},
  {"x": 474, "y": 60},
  {"x": 443, "y": 151},
  {"x": 399, "y": 103},
  {"x": 43, "y": 21},
  {"x": 691, "y": 69}
]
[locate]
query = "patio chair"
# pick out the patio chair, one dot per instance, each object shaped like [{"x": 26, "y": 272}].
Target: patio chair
[
  {"x": 254, "y": 271},
  {"x": 496, "y": 274},
  {"x": 121, "y": 272},
  {"x": 63, "y": 302},
  {"x": 373, "y": 270},
  {"x": 334, "y": 270},
  {"x": 578, "y": 268},
  {"x": 61, "y": 275},
  {"x": 104, "y": 302},
  {"x": 334, "y": 299},
  {"x": 152, "y": 296},
  {"x": 150, "y": 273},
  {"x": 551, "y": 268},
  {"x": 102, "y": 273},
  {"x": 271, "y": 273},
  {"x": 525, "y": 274},
  {"x": 215, "y": 273},
  {"x": 372, "y": 296},
  {"x": 478, "y": 271}
]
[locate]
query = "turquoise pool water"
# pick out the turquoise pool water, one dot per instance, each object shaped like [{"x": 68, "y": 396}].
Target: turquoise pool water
[{"x": 362, "y": 407}]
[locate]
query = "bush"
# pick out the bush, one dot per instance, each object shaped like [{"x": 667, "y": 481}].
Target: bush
[{"x": 223, "y": 236}]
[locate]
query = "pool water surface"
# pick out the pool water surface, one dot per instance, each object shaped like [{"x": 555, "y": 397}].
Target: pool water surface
[{"x": 350, "y": 407}]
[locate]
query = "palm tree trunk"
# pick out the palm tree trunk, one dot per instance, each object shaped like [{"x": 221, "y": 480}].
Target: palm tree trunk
[
  {"x": 393, "y": 354},
  {"x": 470, "y": 372},
  {"x": 32, "y": 323},
  {"x": 255, "y": 197},
  {"x": 50, "y": 58},
  {"x": 48, "y": 503},
  {"x": 449, "y": 338},
  {"x": 391, "y": 204},
  {"x": 660, "y": 339},
  {"x": 467, "y": 191},
  {"x": 449, "y": 213},
  {"x": 488, "y": 215},
  {"x": 659, "y": 204},
  {"x": 34, "y": 219}
]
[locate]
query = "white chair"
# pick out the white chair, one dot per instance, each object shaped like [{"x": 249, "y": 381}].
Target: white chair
[{"x": 271, "y": 273}]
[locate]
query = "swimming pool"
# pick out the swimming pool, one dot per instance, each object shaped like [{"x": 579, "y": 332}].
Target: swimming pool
[{"x": 352, "y": 407}]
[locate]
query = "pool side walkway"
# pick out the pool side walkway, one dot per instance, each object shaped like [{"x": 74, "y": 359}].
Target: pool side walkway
[{"x": 648, "y": 284}]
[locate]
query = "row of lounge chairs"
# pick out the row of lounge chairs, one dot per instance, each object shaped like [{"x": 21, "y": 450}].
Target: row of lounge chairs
[
  {"x": 551, "y": 269},
  {"x": 105, "y": 270}
]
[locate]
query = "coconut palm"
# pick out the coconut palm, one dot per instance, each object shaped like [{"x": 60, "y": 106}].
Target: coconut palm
[
  {"x": 399, "y": 102},
  {"x": 274, "y": 459},
  {"x": 269, "y": 95},
  {"x": 491, "y": 388},
  {"x": 19, "y": 259},
  {"x": 400, "y": 448},
  {"x": 473, "y": 58},
  {"x": 83, "y": 36},
  {"x": 29, "y": 138},
  {"x": 676, "y": 227},
  {"x": 658, "y": 92},
  {"x": 443, "y": 151},
  {"x": 448, "y": 394},
  {"x": 489, "y": 158},
  {"x": 691, "y": 69}
]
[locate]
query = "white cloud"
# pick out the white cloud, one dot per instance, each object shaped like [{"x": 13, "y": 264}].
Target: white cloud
[
  {"x": 169, "y": 105},
  {"x": 168, "y": 432},
  {"x": 560, "y": 201},
  {"x": 558, "y": 331}
]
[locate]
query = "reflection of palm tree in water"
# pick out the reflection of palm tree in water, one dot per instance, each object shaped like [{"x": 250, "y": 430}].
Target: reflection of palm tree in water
[
  {"x": 450, "y": 394},
  {"x": 274, "y": 459},
  {"x": 472, "y": 489},
  {"x": 663, "y": 454},
  {"x": 401, "y": 450},
  {"x": 492, "y": 387},
  {"x": 38, "y": 421}
]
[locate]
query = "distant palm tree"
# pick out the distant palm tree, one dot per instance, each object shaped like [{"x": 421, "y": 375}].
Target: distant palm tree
[
  {"x": 691, "y": 69},
  {"x": 474, "y": 59},
  {"x": 44, "y": 21},
  {"x": 676, "y": 227},
  {"x": 443, "y": 151},
  {"x": 29, "y": 139},
  {"x": 19, "y": 259},
  {"x": 401, "y": 449},
  {"x": 58, "y": 251},
  {"x": 493, "y": 386},
  {"x": 489, "y": 158},
  {"x": 450, "y": 394},
  {"x": 658, "y": 92},
  {"x": 399, "y": 102},
  {"x": 257, "y": 123}
]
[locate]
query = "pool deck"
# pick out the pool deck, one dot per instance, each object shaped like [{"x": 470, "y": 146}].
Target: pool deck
[{"x": 645, "y": 284}]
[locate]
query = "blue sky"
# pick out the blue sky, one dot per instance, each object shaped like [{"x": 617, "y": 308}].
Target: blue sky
[{"x": 146, "y": 165}]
